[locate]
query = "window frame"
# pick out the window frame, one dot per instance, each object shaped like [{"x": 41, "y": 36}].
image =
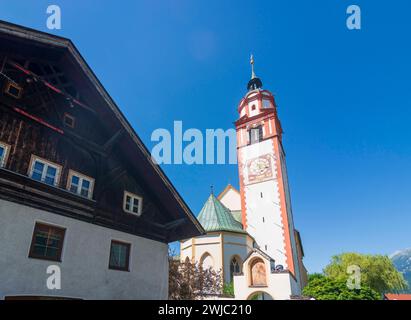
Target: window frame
[
  {"x": 266, "y": 103},
  {"x": 13, "y": 85},
  {"x": 133, "y": 196},
  {"x": 47, "y": 163},
  {"x": 6, "y": 148},
  {"x": 128, "y": 246},
  {"x": 61, "y": 231},
  {"x": 258, "y": 128},
  {"x": 72, "y": 118},
  {"x": 232, "y": 267},
  {"x": 81, "y": 177}
]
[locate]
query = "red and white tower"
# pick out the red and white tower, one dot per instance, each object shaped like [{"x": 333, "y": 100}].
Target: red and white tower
[{"x": 265, "y": 196}]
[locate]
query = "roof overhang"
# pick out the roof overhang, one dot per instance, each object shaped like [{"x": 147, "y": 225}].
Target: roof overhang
[{"x": 160, "y": 184}]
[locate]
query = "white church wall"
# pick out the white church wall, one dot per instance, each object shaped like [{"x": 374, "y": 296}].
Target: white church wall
[
  {"x": 280, "y": 286},
  {"x": 186, "y": 249},
  {"x": 232, "y": 200},
  {"x": 290, "y": 216},
  {"x": 234, "y": 245},
  {"x": 264, "y": 221},
  {"x": 210, "y": 245},
  {"x": 199, "y": 247}
]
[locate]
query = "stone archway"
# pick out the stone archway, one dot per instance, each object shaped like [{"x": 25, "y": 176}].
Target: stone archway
[
  {"x": 260, "y": 295},
  {"x": 258, "y": 273}
]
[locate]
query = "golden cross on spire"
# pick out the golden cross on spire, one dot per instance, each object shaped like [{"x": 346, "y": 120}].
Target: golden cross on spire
[{"x": 252, "y": 67}]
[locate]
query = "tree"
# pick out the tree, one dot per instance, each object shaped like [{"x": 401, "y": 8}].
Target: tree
[
  {"x": 321, "y": 287},
  {"x": 377, "y": 271},
  {"x": 228, "y": 289},
  {"x": 189, "y": 281}
]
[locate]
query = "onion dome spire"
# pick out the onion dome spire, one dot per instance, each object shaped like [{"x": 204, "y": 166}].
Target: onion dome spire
[{"x": 255, "y": 82}]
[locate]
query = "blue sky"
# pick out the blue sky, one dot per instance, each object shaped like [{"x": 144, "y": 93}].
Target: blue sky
[{"x": 344, "y": 98}]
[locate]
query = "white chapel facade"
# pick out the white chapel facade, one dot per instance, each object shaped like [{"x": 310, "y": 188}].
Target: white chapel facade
[{"x": 250, "y": 233}]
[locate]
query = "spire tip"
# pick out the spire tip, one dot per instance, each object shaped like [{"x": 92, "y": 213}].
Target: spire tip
[{"x": 252, "y": 67}]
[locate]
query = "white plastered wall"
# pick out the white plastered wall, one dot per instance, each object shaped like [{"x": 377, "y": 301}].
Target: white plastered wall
[
  {"x": 280, "y": 286},
  {"x": 85, "y": 258},
  {"x": 232, "y": 200},
  {"x": 264, "y": 220}
]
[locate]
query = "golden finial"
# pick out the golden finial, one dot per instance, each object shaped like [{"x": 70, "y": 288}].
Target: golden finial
[{"x": 252, "y": 67}]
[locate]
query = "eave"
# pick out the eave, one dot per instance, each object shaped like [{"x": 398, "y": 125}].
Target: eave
[{"x": 159, "y": 183}]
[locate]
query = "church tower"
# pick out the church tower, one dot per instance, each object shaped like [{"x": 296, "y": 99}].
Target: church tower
[{"x": 265, "y": 196}]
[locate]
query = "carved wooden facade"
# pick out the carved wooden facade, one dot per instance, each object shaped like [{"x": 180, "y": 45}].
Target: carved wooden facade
[{"x": 52, "y": 106}]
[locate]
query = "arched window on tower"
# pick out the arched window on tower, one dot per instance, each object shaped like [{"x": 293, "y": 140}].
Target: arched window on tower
[
  {"x": 256, "y": 134},
  {"x": 235, "y": 267}
]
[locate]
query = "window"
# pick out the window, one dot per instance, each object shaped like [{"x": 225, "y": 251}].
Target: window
[
  {"x": 235, "y": 268},
  {"x": 119, "y": 256},
  {"x": 206, "y": 261},
  {"x": 4, "y": 151},
  {"x": 44, "y": 171},
  {"x": 14, "y": 90},
  {"x": 256, "y": 134},
  {"x": 266, "y": 103},
  {"x": 80, "y": 184},
  {"x": 47, "y": 242},
  {"x": 69, "y": 120},
  {"x": 132, "y": 203}
]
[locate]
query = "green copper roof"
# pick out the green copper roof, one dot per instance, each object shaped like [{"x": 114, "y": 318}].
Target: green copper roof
[
  {"x": 216, "y": 217},
  {"x": 237, "y": 215}
]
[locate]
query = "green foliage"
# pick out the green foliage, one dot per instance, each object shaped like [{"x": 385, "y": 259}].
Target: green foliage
[
  {"x": 313, "y": 276},
  {"x": 228, "y": 289},
  {"x": 321, "y": 287},
  {"x": 377, "y": 271},
  {"x": 189, "y": 281}
]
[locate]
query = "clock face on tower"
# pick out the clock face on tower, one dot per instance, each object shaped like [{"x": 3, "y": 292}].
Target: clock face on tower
[{"x": 259, "y": 169}]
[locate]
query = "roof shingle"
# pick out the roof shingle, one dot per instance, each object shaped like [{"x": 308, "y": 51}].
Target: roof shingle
[{"x": 214, "y": 216}]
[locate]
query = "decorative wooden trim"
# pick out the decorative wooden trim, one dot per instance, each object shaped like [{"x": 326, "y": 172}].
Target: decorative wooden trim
[
  {"x": 72, "y": 119},
  {"x": 58, "y": 167},
  {"x": 164, "y": 185},
  {"x": 9, "y": 85},
  {"x": 41, "y": 121},
  {"x": 133, "y": 196},
  {"x": 22, "y": 190},
  {"x": 7, "y": 148},
  {"x": 81, "y": 176}
]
